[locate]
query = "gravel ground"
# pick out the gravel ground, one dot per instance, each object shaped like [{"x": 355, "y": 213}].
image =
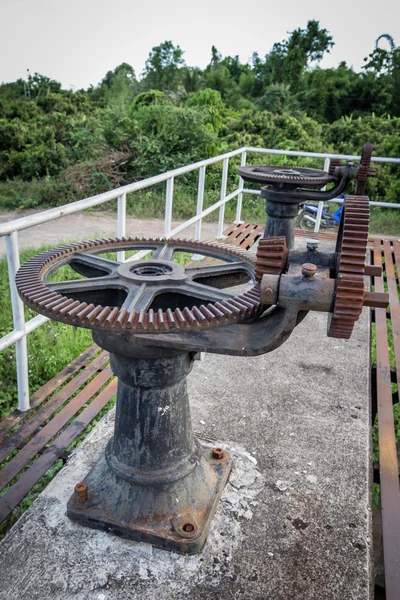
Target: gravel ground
[{"x": 80, "y": 226}]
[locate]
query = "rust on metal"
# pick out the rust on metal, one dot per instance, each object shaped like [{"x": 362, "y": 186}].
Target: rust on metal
[
  {"x": 308, "y": 269},
  {"x": 376, "y": 299},
  {"x": 388, "y": 463},
  {"x": 292, "y": 175},
  {"x": 272, "y": 256},
  {"x": 364, "y": 170},
  {"x": 81, "y": 493},
  {"x": 218, "y": 453},
  {"x": 372, "y": 271},
  {"x": 351, "y": 248}
]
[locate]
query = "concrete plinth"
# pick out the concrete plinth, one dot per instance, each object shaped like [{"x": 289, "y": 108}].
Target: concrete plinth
[{"x": 294, "y": 520}]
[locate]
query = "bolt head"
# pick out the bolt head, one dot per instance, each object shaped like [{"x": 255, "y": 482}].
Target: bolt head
[
  {"x": 308, "y": 269},
  {"x": 218, "y": 453},
  {"x": 312, "y": 244},
  {"x": 81, "y": 493}
]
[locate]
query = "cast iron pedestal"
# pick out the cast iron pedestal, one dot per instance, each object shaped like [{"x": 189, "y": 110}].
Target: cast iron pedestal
[{"x": 156, "y": 482}]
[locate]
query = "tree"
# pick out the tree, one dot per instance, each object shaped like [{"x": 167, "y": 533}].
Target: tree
[
  {"x": 288, "y": 60},
  {"x": 192, "y": 79},
  {"x": 385, "y": 66},
  {"x": 117, "y": 88},
  {"x": 162, "y": 67}
]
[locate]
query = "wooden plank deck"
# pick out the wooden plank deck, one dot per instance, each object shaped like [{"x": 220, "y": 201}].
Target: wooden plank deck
[
  {"x": 31, "y": 442},
  {"x": 386, "y": 253}
]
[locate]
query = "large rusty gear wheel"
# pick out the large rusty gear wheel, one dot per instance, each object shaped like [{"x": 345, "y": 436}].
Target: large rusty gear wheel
[
  {"x": 351, "y": 251},
  {"x": 272, "y": 256},
  {"x": 364, "y": 170},
  {"x": 86, "y": 302}
]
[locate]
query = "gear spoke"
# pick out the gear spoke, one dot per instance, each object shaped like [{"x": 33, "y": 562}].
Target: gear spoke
[
  {"x": 140, "y": 298},
  {"x": 164, "y": 252},
  {"x": 90, "y": 264},
  {"x": 83, "y": 285},
  {"x": 205, "y": 292}
]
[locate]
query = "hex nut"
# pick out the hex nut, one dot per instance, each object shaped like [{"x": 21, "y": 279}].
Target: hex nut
[{"x": 218, "y": 453}]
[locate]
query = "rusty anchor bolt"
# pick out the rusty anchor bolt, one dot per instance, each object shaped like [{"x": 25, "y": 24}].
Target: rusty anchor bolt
[
  {"x": 81, "y": 493},
  {"x": 308, "y": 269},
  {"x": 218, "y": 453},
  {"x": 185, "y": 526}
]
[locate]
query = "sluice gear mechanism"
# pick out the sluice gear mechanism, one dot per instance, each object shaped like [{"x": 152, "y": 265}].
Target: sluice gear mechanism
[{"x": 156, "y": 482}]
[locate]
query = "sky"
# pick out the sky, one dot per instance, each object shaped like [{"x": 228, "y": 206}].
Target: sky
[{"x": 77, "y": 41}]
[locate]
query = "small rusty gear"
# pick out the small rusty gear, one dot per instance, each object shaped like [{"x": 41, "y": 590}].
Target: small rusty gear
[
  {"x": 334, "y": 163},
  {"x": 364, "y": 170},
  {"x": 301, "y": 176},
  {"x": 71, "y": 302},
  {"x": 351, "y": 250},
  {"x": 272, "y": 256}
]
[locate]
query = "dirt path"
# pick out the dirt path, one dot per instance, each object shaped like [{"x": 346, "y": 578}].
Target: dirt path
[{"x": 90, "y": 225}]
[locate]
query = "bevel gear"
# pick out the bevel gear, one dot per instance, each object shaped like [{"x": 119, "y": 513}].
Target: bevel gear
[
  {"x": 364, "y": 170},
  {"x": 272, "y": 256}
]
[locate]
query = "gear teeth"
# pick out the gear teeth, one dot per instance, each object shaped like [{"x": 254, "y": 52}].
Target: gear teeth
[
  {"x": 72, "y": 313},
  {"x": 350, "y": 288},
  {"x": 271, "y": 256},
  {"x": 170, "y": 319},
  {"x": 102, "y": 316},
  {"x": 91, "y": 316},
  {"x": 80, "y": 316},
  {"x": 274, "y": 173}
]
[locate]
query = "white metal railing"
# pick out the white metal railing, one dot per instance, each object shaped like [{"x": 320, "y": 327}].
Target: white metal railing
[{"x": 10, "y": 231}]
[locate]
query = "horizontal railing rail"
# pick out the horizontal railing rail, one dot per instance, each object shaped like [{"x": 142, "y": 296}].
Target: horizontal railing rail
[{"x": 10, "y": 230}]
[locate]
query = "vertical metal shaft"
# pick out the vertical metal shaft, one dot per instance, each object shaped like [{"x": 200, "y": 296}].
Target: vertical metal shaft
[
  {"x": 281, "y": 219},
  {"x": 153, "y": 432}
]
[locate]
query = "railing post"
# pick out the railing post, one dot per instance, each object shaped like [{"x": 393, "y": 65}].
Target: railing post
[
  {"x": 19, "y": 322},
  {"x": 200, "y": 198},
  {"x": 321, "y": 202},
  {"x": 168, "y": 206},
  {"x": 121, "y": 223},
  {"x": 238, "y": 220},
  {"x": 224, "y": 183}
]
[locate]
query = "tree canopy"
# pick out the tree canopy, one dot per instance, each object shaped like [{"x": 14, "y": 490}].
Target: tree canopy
[{"x": 71, "y": 144}]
